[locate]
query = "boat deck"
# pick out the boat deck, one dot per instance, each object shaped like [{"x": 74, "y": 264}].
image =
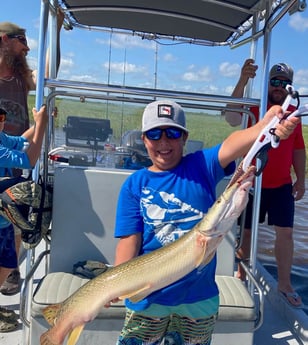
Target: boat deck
[{"x": 275, "y": 329}]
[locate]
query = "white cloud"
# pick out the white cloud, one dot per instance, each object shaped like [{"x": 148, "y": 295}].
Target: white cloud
[
  {"x": 190, "y": 76},
  {"x": 65, "y": 68},
  {"x": 301, "y": 77},
  {"x": 83, "y": 78},
  {"x": 228, "y": 90},
  {"x": 229, "y": 70},
  {"x": 102, "y": 41},
  {"x": 298, "y": 22},
  {"x": 212, "y": 89},
  {"x": 66, "y": 62},
  {"x": 204, "y": 88},
  {"x": 120, "y": 67},
  {"x": 70, "y": 54},
  {"x": 202, "y": 74},
  {"x": 303, "y": 91},
  {"x": 32, "y": 43},
  {"x": 169, "y": 57}
]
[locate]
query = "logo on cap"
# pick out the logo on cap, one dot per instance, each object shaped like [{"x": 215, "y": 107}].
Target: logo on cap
[
  {"x": 280, "y": 68},
  {"x": 164, "y": 110}
]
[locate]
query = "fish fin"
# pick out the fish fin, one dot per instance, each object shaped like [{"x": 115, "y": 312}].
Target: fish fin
[
  {"x": 201, "y": 242},
  {"x": 209, "y": 251},
  {"x": 74, "y": 335},
  {"x": 50, "y": 313},
  {"x": 137, "y": 295}
]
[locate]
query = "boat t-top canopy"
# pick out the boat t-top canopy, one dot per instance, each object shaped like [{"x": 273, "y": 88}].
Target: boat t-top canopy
[{"x": 196, "y": 21}]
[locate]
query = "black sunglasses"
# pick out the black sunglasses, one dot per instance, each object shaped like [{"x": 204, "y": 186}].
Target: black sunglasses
[
  {"x": 22, "y": 39},
  {"x": 171, "y": 133},
  {"x": 277, "y": 82}
]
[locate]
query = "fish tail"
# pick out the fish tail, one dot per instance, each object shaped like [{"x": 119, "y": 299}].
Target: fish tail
[
  {"x": 50, "y": 313},
  {"x": 45, "y": 340}
]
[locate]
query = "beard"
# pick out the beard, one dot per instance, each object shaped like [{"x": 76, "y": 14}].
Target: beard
[
  {"x": 276, "y": 98},
  {"x": 17, "y": 63}
]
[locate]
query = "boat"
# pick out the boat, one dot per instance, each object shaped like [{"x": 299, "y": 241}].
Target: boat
[{"x": 85, "y": 189}]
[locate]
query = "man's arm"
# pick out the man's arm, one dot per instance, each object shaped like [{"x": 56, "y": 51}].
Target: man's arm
[{"x": 248, "y": 71}]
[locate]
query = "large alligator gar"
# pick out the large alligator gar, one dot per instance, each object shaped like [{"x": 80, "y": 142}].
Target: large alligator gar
[{"x": 138, "y": 277}]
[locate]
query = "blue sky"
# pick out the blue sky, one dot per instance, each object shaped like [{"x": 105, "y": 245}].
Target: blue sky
[{"x": 85, "y": 56}]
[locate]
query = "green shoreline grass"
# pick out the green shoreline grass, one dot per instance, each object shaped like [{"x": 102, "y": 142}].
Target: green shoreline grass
[{"x": 209, "y": 128}]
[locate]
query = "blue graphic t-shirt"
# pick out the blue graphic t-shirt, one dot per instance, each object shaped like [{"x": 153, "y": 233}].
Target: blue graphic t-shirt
[
  {"x": 11, "y": 156},
  {"x": 165, "y": 205}
]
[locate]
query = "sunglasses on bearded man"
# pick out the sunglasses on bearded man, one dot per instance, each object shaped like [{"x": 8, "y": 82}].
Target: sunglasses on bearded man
[
  {"x": 277, "y": 82},
  {"x": 22, "y": 39}
]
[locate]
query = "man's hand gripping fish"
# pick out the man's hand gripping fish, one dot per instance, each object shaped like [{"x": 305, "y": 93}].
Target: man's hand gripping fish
[{"x": 138, "y": 277}]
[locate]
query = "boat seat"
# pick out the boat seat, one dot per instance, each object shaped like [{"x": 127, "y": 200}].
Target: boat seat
[{"x": 235, "y": 301}]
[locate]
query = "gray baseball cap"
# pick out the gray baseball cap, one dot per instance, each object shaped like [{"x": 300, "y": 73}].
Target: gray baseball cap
[
  {"x": 282, "y": 70},
  {"x": 163, "y": 113}
]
